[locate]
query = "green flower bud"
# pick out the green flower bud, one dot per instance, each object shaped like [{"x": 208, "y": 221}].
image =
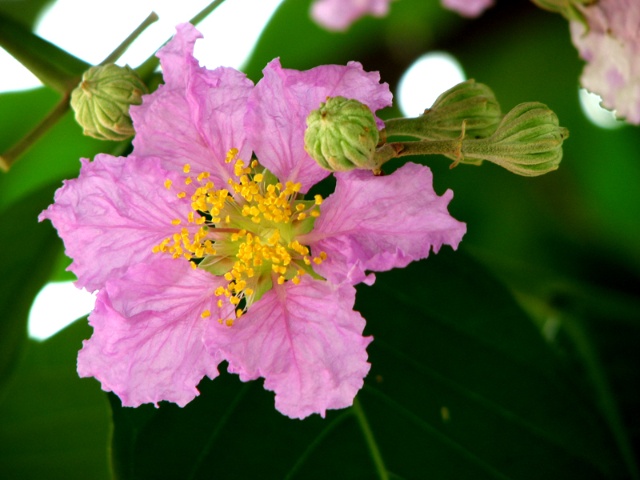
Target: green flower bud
[
  {"x": 528, "y": 142},
  {"x": 468, "y": 106},
  {"x": 101, "y": 101},
  {"x": 469, "y": 102},
  {"x": 342, "y": 135}
]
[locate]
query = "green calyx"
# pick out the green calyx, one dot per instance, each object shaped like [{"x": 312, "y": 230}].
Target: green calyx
[
  {"x": 472, "y": 103},
  {"x": 102, "y": 99},
  {"x": 342, "y": 135}
]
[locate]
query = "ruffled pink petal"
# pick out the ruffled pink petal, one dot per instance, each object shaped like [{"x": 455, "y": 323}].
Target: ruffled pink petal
[
  {"x": 282, "y": 100},
  {"x": 468, "y": 8},
  {"x": 611, "y": 47},
  {"x": 147, "y": 343},
  {"x": 305, "y": 340},
  {"x": 197, "y": 116},
  {"x": 113, "y": 215},
  {"x": 340, "y": 14},
  {"x": 379, "y": 223}
]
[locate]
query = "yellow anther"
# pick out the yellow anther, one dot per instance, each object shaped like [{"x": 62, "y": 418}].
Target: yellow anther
[
  {"x": 258, "y": 177},
  {"x": 300, "y": 207},
  {"x": 317, "y": 260},
  {"x": 315, "y": 213},
  {"x": 175, "y": 221},
  {"x": 188, "y": 180},
  {"x": 302, "y": 216},
  {"x": 202, "y": 176},
  {"x": 186, "y": 168},
  {"x": 231, "y": 154},
  {"x": 229, "y": 322},
  {"x": 295, "y": 280},
  {"x": 281, "y": 280},
  {"x": 205, "y": 314},
  {"x": 167, "y": 184},
  {"x": 318, "y": 199},
  {"x": 181, "y": 195}
]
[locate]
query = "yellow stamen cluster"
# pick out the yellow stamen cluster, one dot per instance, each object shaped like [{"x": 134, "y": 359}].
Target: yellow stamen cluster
[
  {"x": 252, "y": 224},
  {"x": 183, "y": 244}
]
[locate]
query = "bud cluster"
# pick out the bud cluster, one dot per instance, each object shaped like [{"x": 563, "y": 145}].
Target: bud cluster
[{"x": 465, "y": 124}]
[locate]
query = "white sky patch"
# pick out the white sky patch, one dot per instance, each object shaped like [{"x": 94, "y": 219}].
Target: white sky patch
[
  {"x": 56, "y": 306},
  {"x": 428, "y": 77},
  {"x": 92, "y": 30},
  {"x": 601, "y": 117}
]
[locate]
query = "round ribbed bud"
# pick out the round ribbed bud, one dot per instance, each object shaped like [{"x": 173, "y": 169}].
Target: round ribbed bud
[
  {"x": 101, "y": 101},
  {"x": 342, "y": 135}
]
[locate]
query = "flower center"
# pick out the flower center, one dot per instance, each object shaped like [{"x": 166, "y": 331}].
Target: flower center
[{"x": 247, "y": 233}]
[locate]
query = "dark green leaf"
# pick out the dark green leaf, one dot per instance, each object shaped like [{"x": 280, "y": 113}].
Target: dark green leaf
[
  {"x": 28, "y": 251},
  {"x": 54, "y": 424},
  {"x": 461, "y": 386},
  {"x": 25, "y": 12}
]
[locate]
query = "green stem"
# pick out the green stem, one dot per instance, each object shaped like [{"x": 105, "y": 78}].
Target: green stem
[
  {"x": 371, "y": 441},
  {"x": 428, "y": 147},
  {"x": 117, "y": 53},
  {"x": 202, "y": 14},
  {"x": 10, "y": 156}
]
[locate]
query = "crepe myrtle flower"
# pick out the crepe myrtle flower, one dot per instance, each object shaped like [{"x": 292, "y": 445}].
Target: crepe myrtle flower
[{"x": 202, "y": 253}]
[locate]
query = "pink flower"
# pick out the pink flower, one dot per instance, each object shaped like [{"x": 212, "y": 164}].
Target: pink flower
[
  {"x": 200, "y": 257},
  {"x": 467, "y": 8},
  {"x": 340, "y": 14},
  {"x": 611, "y": 46}
]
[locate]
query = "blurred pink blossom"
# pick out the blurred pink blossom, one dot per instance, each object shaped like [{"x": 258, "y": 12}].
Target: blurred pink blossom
[
  {"x": 340, "y": 14},
  {"x": 611, "y": 46},
  {"x": 467, "y": 8}
]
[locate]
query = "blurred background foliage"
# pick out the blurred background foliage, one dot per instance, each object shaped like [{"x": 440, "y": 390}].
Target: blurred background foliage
[{"x": 515, "y": 357}]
